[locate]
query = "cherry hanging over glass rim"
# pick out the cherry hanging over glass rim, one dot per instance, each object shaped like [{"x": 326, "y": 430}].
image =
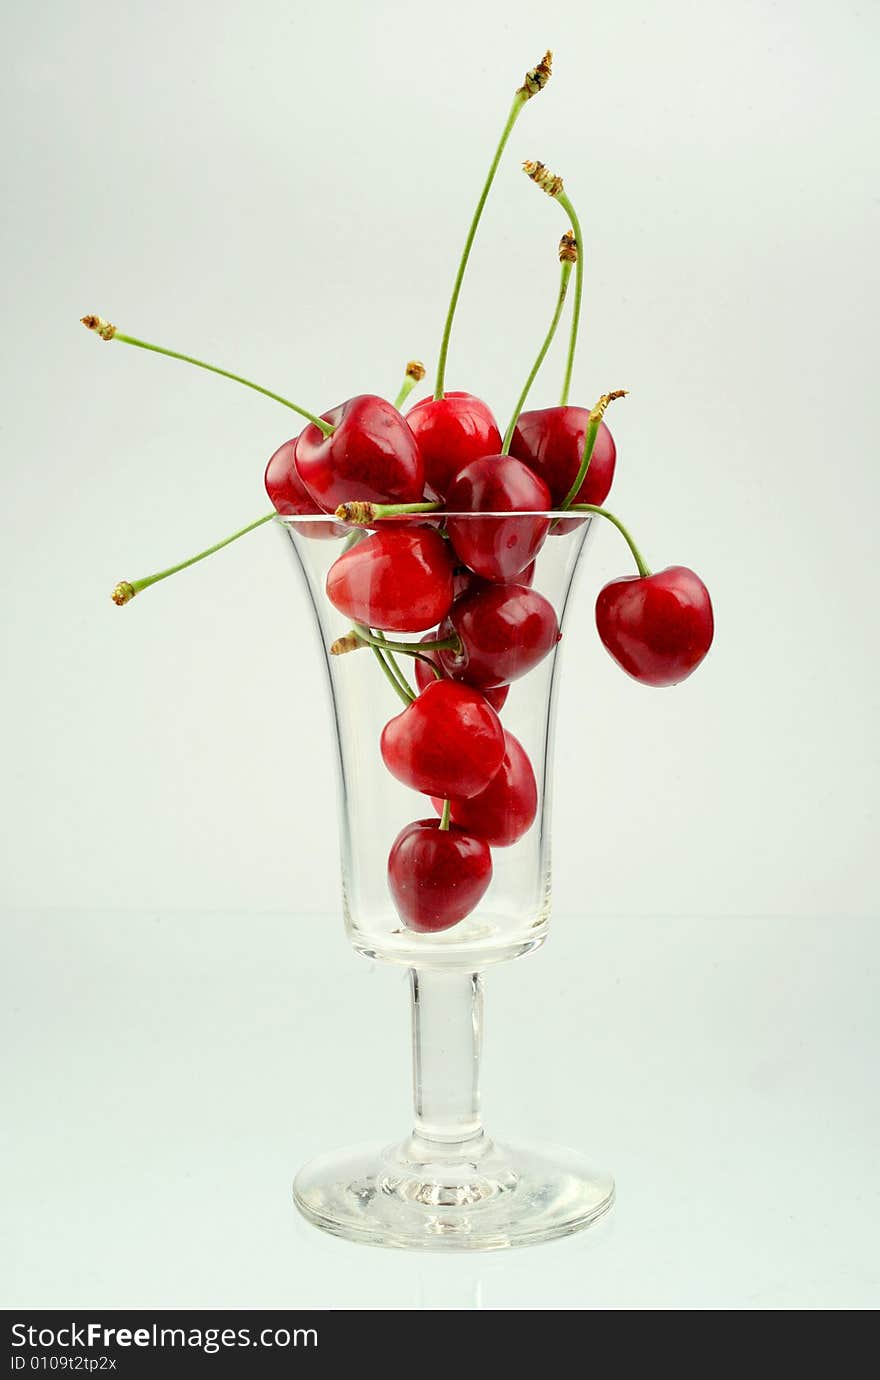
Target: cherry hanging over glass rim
[{"x": 447, "y": 893}]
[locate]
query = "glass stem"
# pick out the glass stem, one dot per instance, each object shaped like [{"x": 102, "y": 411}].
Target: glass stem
[{"x": 447, "y": 1022}]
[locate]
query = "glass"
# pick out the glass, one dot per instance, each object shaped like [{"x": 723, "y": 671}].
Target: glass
[{"x": 447, "y": 1185}]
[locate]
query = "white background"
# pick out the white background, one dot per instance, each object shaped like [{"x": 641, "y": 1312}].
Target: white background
[{"x": 284, "y": 189}]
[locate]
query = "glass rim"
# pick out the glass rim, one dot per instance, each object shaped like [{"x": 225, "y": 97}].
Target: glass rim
[{"x": 439, "y": 515}]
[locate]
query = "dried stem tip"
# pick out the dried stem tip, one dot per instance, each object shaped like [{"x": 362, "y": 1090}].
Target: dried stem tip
[
  {"x": 358, "y": 513},
  {"x": 415, "y": 370},
  {"x": 349, "y": 643},
  {"x": 598, "y": 412},
  {"x": 546, "y": 180},
  {"x": 123, "y": 593},
  {"x": 568, "y": 248},
  {"x": 97, "y": 323},
  {"x": 536, "y": 79}
]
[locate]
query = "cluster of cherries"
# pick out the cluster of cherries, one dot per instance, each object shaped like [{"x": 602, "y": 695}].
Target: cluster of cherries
[
  {"x": 467, "y": 581},
  {"x": 407, "y": 491}
]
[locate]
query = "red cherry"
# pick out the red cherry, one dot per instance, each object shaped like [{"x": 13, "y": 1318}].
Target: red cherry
[
  {"x": 506, "y": 809},
  {"x": 465, "y": 580},
  {"x": 437, "y": 876},
  {"x": 290, "y": 496},
  {"x": 372, "y": 456},
  {"x": 448, "y": 742},
  {"x": 451, "y": 432},
  {"x": 551, "y": 442},
  {"x": 505, "y": 630},
  {"x": 657, "y": 627},
  {"x": 497, "y": 548},
  {"x": 398, "y": 579},
  {"x": 425, "y": 676}
]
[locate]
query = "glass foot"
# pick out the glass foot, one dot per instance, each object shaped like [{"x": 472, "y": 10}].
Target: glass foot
[{"x": 476, "y": 1195}]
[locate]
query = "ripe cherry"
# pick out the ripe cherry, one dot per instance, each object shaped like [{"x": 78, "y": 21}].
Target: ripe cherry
[
  {"x": 290, "y": 496},
  {"x": 398, "y": 579},
  {"x": 465, "y": 580},
  {"x": 448, "y": 742},
  {"x": 657, "y": 627},
  {"x": 506, "y": 809},
  {"x": 370, "y": 456},
  {"x": 451, "y": 432},
  {"x": 437, "y": 876},
  {"x": 425, "y": 676},
  {"x": 497, "y": 548},
  {"x": 505, "y": 630},
  {"x": 551, "y": 442}
]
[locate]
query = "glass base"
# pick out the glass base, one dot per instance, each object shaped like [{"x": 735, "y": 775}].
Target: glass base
[{"x": 476, "y": 1195}]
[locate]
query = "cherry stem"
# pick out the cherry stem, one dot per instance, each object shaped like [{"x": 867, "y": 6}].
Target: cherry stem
[
  {"x": 548, "y": 340},
  {"x": 534, "y": 82},
  {"x": 362, "y": 514},
  {"x": 395, "y": 684},
  {"x": 416, "y": 649},
  {"x": 578, "y": 295},
  {"x": 446, "y": 815},
  {"x": 596, "y": 415},
  {"x": 639, "y": 559},
  {"x": 415, "y": 372},
  {"x": 395, "y": 669},
  {"x": 108, "y": 332},
  {"x": 127, "y": 589}
]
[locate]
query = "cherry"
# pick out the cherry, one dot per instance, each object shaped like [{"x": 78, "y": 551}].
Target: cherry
[
  {"x": 399, "y": 579},
  {"x": 448, "y": 742},
  {"x": 506, "y": 809},
  {"x": 497, "y": 548},
  {"x": 551, "y": 442},
  {"x": 505, "y": 630},
  {"x": 437, "y": 876},
  {"x": 370, "y": 455},
  {"x": 465, "y": 580},
  {"x": 290, "y": 496},
  {"x": 451, "y": 432},
  {"x": 425, "y": 676},
  {"x": 657, "y": 627}
]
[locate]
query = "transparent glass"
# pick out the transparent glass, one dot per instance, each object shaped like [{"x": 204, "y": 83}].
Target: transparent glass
[{"x": 447, "y": 1185}]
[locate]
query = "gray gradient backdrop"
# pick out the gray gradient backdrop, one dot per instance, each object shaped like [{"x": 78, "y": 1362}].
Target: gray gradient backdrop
[{"x": 283, "y": 188}]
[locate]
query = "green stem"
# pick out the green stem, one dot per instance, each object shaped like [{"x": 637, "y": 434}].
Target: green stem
[
  {"x": 322, "y": 426},
  {"x": 395, "y": 669},
  {"x": 127, "y": 589},
  {"x": 386, "y": 510},
  {"x": 548, "y": 340},
  {"x": 578, "y": 295},
  {"x": 416, "y": 649},
  {"x": 589, "y": 445},
  {"x": 389, "y": 676},
  {"x": 596, "y": 416},
  {"x": 446, "y": 815},
  {"x": 639, "y": 559},
  {"x": 519, "y": 101},
  {"x": 363, "y": 514}
]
